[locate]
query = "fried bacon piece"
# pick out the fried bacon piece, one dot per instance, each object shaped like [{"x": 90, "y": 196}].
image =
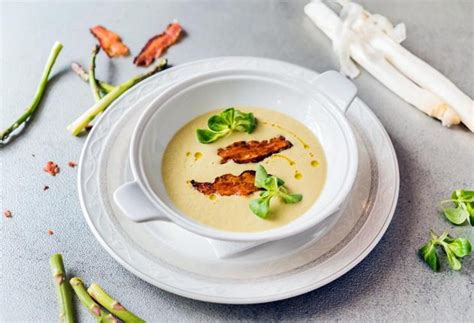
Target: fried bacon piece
[
  {"x": 229, "y": 184},
  {"x": 7, "y": 213},
  {"x": 157, "y": 44},
  {"x": 51, "y": 168},
  {"x": 243, "y": 152},
  {"x": 110, "y": 42}
]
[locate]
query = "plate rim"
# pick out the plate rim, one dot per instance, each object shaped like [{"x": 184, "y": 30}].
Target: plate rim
[{"x": 251, "y": 299}]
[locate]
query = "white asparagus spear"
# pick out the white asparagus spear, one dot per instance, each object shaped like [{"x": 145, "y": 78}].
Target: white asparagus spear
[
  {"x": 402, "y": 86},
  {"x": 330, "y": 24},
  {"x": 426, "y": 76},
  {"x": 410, "y": 65}
]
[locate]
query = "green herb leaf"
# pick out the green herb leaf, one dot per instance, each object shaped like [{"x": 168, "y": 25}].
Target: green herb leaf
[
  {"x": 453, "y": 262},
  {"x": 460, "y": 247},
  {"x": 273, "y": 186},
  {"x": 225, "y": 123},
  {"x": 454, "y": 248},
  {"x": 291, "y": 198},
  {"x": 468, "y": 200},
  {"x": 228, "y": 116},
  {"x": 462, "y": 194},
  {"x": 260, "y": 176},
  {"x": 244, "y": 122},
  {"x": 261, "y": 206},
  {"x": 207, "y": 136},
  {"x": 463, "y": 211},
  {"x": 429, "y": 255},
  {"x": 265, "y": 194},
  {"x": 281, "y": 183},
  {"x": 456, "y": 215},
  {"x": 217, "y": 123}
]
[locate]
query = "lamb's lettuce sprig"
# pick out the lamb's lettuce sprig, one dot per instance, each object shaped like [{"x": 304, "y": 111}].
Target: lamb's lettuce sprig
[
  {"x": 460, "y": 208},
  {"x": 455, "y": 249},
  {"x": 273, "y": 187},
  {"x": 223, "y": 124}
]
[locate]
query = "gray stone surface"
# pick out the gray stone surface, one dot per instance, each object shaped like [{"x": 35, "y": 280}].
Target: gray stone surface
[{"x": 390, "y": 284}]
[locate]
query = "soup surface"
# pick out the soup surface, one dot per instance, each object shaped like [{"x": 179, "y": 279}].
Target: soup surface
[{"x": 302, "y": 167}]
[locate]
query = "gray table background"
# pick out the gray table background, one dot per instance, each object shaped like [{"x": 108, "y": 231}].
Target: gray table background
[{"x": 390, "y": 284}]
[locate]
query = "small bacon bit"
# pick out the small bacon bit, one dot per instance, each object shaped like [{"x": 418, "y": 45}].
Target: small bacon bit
[
  {"x": 110, "y": 42},
  {"x": 45, "y": 188},
  {"x": 72, "y": 164},
  {"x": 50, "y": 232},
  {"x": 51, "y": 168},
  {"x": 243, "y": 152},
  {"x": 158, "y": 44},
  {"x": 7, "y": 213},
  {"x": 229, "y": 184}
]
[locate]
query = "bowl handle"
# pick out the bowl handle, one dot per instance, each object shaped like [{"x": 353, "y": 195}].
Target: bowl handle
[
  {"x": 338, "y": 88},
  {"x": 137, "y": 207}
]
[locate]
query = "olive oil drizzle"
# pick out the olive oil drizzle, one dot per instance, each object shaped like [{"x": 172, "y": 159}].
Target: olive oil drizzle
[
  {"x": 314, "y": 163},
  {"x": 305, "y": 145},
  {"x": 290, "y": 162},
  {"x": 298, "y": 175}
]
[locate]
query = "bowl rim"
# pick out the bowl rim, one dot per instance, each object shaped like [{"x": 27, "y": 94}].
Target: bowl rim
[{"x": 189, "y": 224}]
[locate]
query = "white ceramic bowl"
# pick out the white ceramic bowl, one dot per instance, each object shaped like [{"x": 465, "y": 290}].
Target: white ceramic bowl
[{"x": 320, "y": 108}]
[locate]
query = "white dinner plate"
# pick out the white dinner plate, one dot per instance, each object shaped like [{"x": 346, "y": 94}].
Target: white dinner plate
[{"x": 183, "y": 263}]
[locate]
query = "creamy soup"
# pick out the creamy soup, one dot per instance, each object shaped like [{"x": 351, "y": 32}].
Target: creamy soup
[{"x": 302, "y": 167}]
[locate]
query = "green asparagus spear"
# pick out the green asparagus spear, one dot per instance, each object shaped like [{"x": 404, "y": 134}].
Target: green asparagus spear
[
  {"x": 79, "y": 124},
  {"x": 88, "y": 302},
  {"x": 63, "y": 290},
  {"x": 92, "y": 80},
  {"x": 38, "y": 95},
  {"x": 112, "y": 305},
  {"x": 79, "y": 70}
]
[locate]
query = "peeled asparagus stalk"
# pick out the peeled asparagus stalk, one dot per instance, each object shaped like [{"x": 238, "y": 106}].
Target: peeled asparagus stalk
[
  {"x": 401, "y": 85},
  {"x": 426, "y": 76},
  {"x": 380, "y": 68}
]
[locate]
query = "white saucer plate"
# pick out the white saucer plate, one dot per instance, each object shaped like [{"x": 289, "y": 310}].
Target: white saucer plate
[{"x": 183, "y": 263}]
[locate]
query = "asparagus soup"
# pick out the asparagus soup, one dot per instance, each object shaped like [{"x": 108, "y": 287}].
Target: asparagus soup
[{"x": 253, "y": 170}]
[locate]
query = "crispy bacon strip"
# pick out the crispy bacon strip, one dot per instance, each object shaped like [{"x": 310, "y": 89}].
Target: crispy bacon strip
[
  {"x": 110, "y": 42},
  {"x": 243, "y": 152},
  {"x": 229, "y": 184},
  {"x": 157, "y": 44}
]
